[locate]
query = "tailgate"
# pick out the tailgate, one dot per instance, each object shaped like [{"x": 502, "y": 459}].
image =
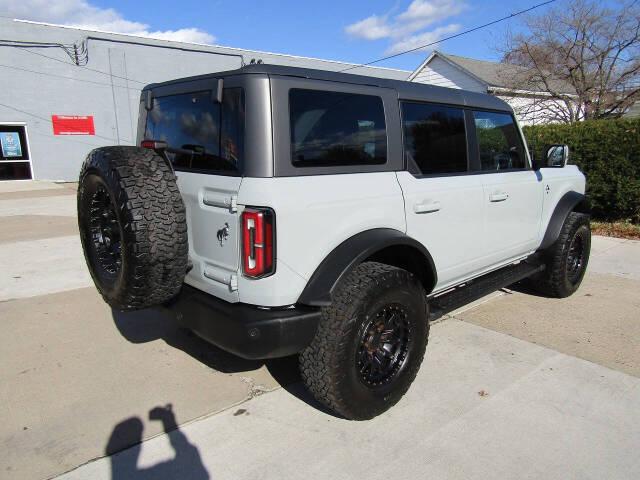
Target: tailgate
[
  {"x": 201, "y": 121},
  {"x": 212, "y": 223}
]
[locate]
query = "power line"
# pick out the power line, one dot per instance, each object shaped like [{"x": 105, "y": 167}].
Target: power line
[
  {"x": 78, "y": 53},
  {"x": 66, "y": 138},
  {"x": 451, "y": 36},
  {"x": 65, "y": 77},
  {"x": 26, "y": 45},
  {"x": 43, "y": 118},
  {"x": 83, "y": 66}
]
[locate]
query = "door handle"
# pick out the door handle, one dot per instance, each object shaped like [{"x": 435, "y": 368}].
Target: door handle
[
  {"x": 498, "y": 197},
  {"x": 426, "y": 207}
]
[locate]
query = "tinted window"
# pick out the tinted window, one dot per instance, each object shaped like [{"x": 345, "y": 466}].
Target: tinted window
[
  {"x": 334, "y": 128},
  {"x": 434, "y": 138},
  {"x": 202, "y": 135},
  {"x": 499, "y": 142}
]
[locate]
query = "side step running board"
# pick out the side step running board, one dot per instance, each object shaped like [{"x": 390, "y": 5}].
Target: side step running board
[{"x": 460, "y": 296}]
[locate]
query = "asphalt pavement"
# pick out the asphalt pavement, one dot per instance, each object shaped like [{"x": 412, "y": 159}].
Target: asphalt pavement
[{"x": 515, "y": 385}]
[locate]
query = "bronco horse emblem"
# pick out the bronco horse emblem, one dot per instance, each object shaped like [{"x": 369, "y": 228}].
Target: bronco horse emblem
[{"x": 223, "y": 234}]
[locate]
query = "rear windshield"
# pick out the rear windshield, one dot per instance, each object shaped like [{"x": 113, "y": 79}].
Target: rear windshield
[
  {"x": 333, "y": 129},
  {"x": 203, "y": 136}
]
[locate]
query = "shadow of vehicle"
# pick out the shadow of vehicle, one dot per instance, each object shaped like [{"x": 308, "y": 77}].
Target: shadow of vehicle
[
  {"x": 148, "y": 325},
  {"x": 186, "y": 463},
  {"x": 525, "y": 286}
]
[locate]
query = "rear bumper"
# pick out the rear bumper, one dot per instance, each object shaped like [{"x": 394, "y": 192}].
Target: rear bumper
[{"x": 244, "y": 330}]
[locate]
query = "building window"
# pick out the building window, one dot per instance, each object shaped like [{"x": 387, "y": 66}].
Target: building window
[{"x": 15, "y": 163}]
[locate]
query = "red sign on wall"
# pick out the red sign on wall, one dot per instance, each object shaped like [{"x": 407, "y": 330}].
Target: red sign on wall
[{"x": 73, "y": 125}]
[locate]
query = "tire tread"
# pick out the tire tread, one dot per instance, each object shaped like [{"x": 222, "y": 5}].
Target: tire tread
[
  {"x": 154, "y": 230},
  {"x": 552, "y": 281},
  {"x": 320, "y": 366}
]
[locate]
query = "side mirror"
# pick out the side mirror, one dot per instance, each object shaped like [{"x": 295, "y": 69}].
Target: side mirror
[{"x": 555, "y": 156}]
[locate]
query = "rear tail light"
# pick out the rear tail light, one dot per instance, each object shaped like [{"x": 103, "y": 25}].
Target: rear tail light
[
  {"x": 258, "y": 242},
  {"x": 154, "y": 144}
]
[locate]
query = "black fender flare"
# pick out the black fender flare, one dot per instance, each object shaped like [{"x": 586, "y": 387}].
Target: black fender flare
[
  {"x": 569, "y": 202},
  {"x": 349, "y": 254}
]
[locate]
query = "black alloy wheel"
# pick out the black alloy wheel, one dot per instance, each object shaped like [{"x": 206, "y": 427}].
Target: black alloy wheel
[
  {"x": 575, "y": 259},
  {"x": 566, "y": 259},
  {"x": 370, "y": 341},
  {"x": 106, "y": 236},
  {"x": 384, "y": 344}
]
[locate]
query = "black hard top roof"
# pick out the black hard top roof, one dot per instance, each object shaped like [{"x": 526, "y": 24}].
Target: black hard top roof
[{"x": 406, "y": 90}]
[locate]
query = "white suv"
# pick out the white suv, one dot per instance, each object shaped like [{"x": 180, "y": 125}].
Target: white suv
[{"x": 277, "y": 210}]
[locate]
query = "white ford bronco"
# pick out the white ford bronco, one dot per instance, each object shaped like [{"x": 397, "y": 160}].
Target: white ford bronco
[{"x": 278, "y": 211}]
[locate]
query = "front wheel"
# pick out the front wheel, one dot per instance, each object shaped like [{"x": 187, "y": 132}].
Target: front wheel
[
  {"x": 370, "y": 342},
  {"x": 567, "y": 258}
]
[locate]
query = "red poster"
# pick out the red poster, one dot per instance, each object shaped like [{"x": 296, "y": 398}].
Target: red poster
[{"x": 73, "y": 125}]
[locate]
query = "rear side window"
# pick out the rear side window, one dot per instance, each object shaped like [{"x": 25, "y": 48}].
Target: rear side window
[
  {"x": 203, "y": 136},
  {"x": 334, "y": 129},
  {"x": 434, "y": 138},
  {"x": 499, "y": 142}
]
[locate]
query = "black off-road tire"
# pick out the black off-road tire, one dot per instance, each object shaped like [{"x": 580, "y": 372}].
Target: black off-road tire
[
  {"x": 329, "y": 366},
  {"x": 132, "y": 226},
  {"x": 562, "y": 276}
]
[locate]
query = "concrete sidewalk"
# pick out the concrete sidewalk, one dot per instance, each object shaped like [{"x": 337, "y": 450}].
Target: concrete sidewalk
[
  {"x": 615, "y": 256},
  {"x": 79, "y": 380},
  {"x": 484, "y": 405}
]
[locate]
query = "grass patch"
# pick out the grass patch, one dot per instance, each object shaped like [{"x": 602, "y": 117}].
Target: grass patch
[{"x": 616, "y": 229}]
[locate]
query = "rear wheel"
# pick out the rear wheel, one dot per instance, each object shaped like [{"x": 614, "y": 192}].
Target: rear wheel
[
  {"x": 370, "y": 342},
  {"x": 132, "y": 226},
  {"x": 566, "y": 259}
]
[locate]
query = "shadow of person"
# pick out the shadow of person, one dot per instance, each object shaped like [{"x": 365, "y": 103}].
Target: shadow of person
[{"x": 187, "y": 462}]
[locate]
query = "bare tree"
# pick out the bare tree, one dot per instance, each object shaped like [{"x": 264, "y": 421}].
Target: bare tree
[{"x": 582, "y": 58}]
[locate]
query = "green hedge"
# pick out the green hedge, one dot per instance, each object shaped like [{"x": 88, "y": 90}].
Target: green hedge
[{"x": 608, "y": 152}]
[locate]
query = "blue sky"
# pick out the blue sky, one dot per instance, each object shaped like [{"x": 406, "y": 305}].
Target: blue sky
[
  {"x": 353, "y": 31},
  {"x": 318, "y": 29}
]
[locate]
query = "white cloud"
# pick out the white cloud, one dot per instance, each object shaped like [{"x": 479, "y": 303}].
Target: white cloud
[
  {"x": 425, "y": 38},
  {"x": 421, "y": 14},
  {"x": 80, "y": 13},
  {"x": 404, "y": 30},
  {"x": 371, "y": 28}
]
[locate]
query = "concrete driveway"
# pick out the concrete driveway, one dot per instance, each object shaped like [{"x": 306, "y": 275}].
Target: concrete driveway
[{"x": 514, "y": 386}]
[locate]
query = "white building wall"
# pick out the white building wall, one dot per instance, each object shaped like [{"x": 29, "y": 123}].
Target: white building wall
[
  {"x": 526, "y": 109},
  {"x": 37, "y": 83},
  {"x": 536, "y": 110},
  {"x": 442, "y": 73}
]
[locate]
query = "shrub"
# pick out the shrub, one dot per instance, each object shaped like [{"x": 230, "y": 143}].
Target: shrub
[{"x": 608, "y": 153}]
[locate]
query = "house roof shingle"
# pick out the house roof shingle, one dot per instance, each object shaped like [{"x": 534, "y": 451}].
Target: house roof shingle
[{"x": 501, "y": 75}]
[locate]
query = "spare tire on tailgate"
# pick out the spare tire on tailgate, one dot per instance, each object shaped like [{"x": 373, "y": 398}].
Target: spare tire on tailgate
[{"x": 132, "y": 226}]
